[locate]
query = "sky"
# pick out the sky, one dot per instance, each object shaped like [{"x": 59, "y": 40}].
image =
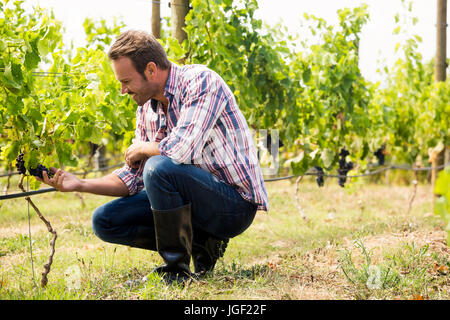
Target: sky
[{"x": 377, "y": 46}]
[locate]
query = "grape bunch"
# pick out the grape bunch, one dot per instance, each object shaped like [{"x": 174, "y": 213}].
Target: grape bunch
[
  {"x": 380, "y": 155},
  {"x": 344, "y": 167},
  {"x": 319, "y": 178},
  {"x": 37, "y": 172},
  {"x": 20, "y": 164}
]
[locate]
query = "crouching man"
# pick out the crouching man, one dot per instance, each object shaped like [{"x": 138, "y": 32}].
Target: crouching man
[{"x": 192, "y": 179}]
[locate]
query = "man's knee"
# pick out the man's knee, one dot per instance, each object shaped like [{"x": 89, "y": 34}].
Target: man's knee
[
  {"x": 100, "y": 223},
  {"x": 156, "y": 167}
]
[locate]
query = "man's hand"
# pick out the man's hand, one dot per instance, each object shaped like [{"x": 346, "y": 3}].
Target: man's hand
[
  {"x": 139, "y": 151},
  {"x": 62, "y": 181}
]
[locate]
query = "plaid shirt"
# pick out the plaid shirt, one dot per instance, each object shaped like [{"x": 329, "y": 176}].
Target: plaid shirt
[{"x": 203, "y": 127}]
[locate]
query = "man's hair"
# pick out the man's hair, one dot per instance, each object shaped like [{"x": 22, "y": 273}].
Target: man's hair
[{"x": 141, "y": 47}]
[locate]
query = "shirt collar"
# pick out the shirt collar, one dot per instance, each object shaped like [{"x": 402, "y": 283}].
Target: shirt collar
[
  {"x": 171, "y": 85},
  {"x": 172, "y": 80}
]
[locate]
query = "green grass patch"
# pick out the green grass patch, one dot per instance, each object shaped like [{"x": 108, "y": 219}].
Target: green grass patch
[{"x": 398, "y": 254}]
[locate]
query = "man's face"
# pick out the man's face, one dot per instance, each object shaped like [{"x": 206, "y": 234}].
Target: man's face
[{"x": 132, "y": 82}]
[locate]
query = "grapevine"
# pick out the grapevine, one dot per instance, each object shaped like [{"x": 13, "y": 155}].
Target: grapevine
[
  {"x": 315, "y": 112},
  {"x": 315, "y": 96}
]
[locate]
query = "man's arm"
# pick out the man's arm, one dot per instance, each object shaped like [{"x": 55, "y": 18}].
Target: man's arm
[{"x": 109, "y": 185}]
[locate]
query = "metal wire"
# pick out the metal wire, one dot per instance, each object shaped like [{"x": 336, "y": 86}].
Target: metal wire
[{"x": 389, "y": 167}]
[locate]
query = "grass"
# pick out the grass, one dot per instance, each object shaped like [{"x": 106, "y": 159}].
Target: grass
[{"x": 359, "y": 242}]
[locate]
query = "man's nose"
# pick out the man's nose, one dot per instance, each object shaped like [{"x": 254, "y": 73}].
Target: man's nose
[{"x": 123, "y": 89}]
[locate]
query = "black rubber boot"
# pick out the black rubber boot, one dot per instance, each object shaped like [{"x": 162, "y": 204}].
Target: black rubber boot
[
  {"x": 173, "y": 229},
  {"x": 206, "y": 250},
  {"x": 145, "y": 238}
]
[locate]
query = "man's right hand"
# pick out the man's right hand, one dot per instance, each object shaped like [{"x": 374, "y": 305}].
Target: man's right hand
[
  {"x": 62, "y": 181},
  {"x": 109, "y": 185}
]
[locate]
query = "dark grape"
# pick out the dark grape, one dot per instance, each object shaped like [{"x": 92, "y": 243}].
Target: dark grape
[
  {"x": 319, "y": 178},
  {"x": 344, "y": 167},
  {"x": 380, "y": 155},
  {"x": 20, "y": 164},
  {"x": 342, "y": 155}
]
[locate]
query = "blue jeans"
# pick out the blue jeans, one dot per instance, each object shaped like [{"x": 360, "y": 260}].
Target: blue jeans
[{"x": 216, "y": 208}]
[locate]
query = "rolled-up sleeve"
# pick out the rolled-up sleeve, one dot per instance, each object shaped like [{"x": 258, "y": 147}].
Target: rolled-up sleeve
[
  {"x": 131, "y": 177},
  {"x": 203, "y": 101}
]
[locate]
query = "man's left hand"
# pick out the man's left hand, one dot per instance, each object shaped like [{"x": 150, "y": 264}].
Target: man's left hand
[{"x": 139, "y": 151}]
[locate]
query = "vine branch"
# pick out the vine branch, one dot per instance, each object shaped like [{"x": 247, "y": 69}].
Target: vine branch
[
  {"x": 415, "y": 182},
  {"x": 297, "y": 202},
  {"x": 47, "y": 266}
]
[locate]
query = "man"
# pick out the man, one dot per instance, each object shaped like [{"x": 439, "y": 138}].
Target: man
[{"x": 192, "y": 179}]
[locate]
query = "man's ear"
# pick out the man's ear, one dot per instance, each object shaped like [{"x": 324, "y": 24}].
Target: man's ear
[{"x": 150, "y": 70}]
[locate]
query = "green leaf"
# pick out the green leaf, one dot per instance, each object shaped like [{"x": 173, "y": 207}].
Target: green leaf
[
  {"x": 327, "y": 156},
  {"x": 32, "y": 57},
  {"x": 34, "y": 184},
  {"x": 31, "y": 158},
  {"x": 11, "y": 151},
  {"x": 299, "y": 168},
  {"x": 9, "y": 76},
  {"x": 306, "y": 75},
  {"x": 37, "y": 143},
  {"x": 365, "y": 151},
  {"x": 65, "y": 156},
  {"x": 96, "y": 136},
  {"x": 14, "y": 105},
  {"x": 72, "y": 116},
  {"x": 347, "y": 82}
]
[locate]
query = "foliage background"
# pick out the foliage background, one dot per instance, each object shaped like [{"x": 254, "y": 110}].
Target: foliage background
[{"x": 55, "y": 101}]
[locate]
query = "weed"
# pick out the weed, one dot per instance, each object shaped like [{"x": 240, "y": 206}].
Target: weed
[
  {"x": 407, "y": 273},
  {"x": 369, "y": 277},
  {"x": 78, "y": 228},
  {"x": 14, "y": 244}
]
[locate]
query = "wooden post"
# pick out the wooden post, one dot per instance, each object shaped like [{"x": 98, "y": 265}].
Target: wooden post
[
  {"x": 179, "y": 10},
  {"x": 447, "y": 155},
  {"x": 441, "y": 37},
  {"x": 440, "y": 67},
  {"x": 441, "y": 54},
  {"x": 433, "y": 155},
  {"x": 100, "y": 160},
  {"x": 156, "y": 18},
  {"x": 434, "y": 171}
]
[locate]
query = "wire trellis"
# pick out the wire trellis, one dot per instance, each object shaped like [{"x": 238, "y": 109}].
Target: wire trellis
[{"x": 371, "y": 173}]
